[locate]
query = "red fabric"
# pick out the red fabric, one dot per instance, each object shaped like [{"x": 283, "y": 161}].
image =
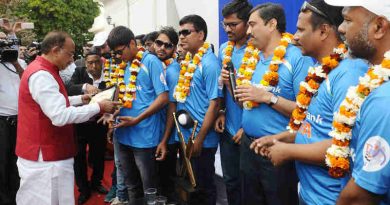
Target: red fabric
[
  {"x": 96, "y": 198},
  {"x": 35, "y": 130}
]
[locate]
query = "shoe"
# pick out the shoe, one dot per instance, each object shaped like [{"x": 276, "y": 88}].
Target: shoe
[
  {"x": 99, "y": 189},
  {"x": 83, "y": 198},
  {"x": 110, "y": 195},
  {"x": 117, "y": 201}
]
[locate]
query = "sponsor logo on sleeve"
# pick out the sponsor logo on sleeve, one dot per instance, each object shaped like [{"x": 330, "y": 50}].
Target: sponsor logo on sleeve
[{"x": 376, "y": 154}]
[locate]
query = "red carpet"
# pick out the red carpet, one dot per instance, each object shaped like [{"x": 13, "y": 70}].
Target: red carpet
[{"x": 98, "y": 199}]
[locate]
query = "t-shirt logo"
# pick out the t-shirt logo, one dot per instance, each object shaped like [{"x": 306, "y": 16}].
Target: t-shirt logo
[
  {"x": 162, "y": 79},
  {"x": 376, "y": 153}
]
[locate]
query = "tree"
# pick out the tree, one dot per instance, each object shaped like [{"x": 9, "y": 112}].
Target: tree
[{"x": 72, "y": 16}]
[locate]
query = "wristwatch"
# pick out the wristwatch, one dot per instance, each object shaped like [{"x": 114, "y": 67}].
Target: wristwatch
[{"x": 274, "y": 100}]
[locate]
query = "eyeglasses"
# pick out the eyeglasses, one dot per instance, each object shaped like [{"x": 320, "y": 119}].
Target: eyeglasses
[
  {"x": 165, "y": 44},
  {"x": 186, "y": 32},
  {"x": 231, "y": 25},
  {"x": 120, "y": 51},
  {"x": 306, "y": 6}
]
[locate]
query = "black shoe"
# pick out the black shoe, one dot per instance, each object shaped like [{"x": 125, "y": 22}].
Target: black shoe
[
  {"x": 83, "y": 198},
  {"x": 99, "y": 189}
]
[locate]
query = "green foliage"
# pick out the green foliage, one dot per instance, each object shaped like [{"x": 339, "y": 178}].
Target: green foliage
[{"x": 72, "y": 16}]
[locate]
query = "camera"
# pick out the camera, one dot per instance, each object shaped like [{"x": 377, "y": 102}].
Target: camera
[{"x": 8, "y": 52}]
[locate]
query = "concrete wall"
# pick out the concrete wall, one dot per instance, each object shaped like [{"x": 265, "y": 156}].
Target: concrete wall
[{"x": 144, "y": 16}]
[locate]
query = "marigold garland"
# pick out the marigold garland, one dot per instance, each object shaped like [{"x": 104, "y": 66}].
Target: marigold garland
[
  {"x": 271, "y": 77},
  {"x": 248, "y": 63},
  {"x": 109, "y": 73},
  {"x": 129, "y": 91},
  {"x": 337, "y": 156},
  {"x": 188, "y": 67},
  {"x": 308, "y": 88}
]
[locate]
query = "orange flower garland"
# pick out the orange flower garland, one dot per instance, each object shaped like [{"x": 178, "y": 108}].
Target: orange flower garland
[
  {"x": 188, "y": 67},
  {"x": 271, "y": 78},
  {"x": 248, "y": 63},
  {"x": 337, "y": 156},
  {"x": 316, "y": 75},
  {"x": 130, "y": 90},
  {"x": 109, "y": 72}
]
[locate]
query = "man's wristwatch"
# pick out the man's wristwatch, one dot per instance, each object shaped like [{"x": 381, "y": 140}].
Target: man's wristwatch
[{"x": 274, "y": 100}]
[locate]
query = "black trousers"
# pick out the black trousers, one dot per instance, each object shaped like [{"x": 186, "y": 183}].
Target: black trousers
[
  {"x": 9, "y": 177},
  {"x": 93, "y": 135},
  {"x": 167, "y": 172}
]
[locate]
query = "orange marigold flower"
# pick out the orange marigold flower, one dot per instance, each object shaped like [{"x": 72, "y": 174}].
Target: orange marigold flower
[
  {"x": 272, "y": 78},
  {"x": 274, "y": 67},
  {"x": 340, "y": 143},
  {"x": 386, "y": 63},
  {"x": 363, "y": 90},
  {"x": 345, "y": 112},
  {"x": 128, "y": 104},
  {"x": 280, "y": 51},
  {"x": 298, "y": 115},
  {"x": 341, "y": 127},
  {"x": 303, "y": 99},
  {"x": 313, "y": 84}
]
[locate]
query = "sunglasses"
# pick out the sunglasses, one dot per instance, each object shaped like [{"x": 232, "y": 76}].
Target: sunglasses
[
  {"x": 165, "y": 44},
  {"x": 306, "y": 6},
  {"x": 185, "y": 32},
  {"x": 120, "y": 51}
]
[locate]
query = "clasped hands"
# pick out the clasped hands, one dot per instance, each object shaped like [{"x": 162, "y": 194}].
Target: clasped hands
[{"x": 270, "y": 147}]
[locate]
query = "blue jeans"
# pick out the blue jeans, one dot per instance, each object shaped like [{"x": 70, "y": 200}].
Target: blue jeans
[
  {"x": 230, "y": 161},
  {"x": 139, "y": 170},
  {"x": 262, "y": 183},
  {"x": 204, "y": 170},
  {"x": 121, "y": 189}
]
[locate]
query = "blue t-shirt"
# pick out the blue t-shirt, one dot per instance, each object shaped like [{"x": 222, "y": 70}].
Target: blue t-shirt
[
  {"x": 204, "y": 88},
  {"x": 370, "y": 144},
  {"x": 317, "y": 186},
  {"x": 150, "y": 83},
  {"x": 172, "y": 75},
  {"x": 233, "y": 110},
  {"x": 256, "y": 122}
]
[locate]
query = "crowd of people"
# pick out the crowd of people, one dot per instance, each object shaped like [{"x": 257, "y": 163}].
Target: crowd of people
[{"x": 301, "y": 119}]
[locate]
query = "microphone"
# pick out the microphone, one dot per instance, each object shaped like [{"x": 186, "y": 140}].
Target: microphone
[{"x": 232, "y": 78}]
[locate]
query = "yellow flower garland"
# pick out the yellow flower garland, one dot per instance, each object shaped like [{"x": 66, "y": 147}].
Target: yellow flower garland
[
  {"x": 271, "y": 78},
  {"x": 337, "y": 156},
  {"x": 127, "y": 94},
  {"x": 308, "y": 88},
  {"x": 188, "y": 66},
  {"x": 109, "y": 72}
]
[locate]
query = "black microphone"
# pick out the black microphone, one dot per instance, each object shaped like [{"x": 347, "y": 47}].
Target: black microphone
[{"x": 232, "y": 78}]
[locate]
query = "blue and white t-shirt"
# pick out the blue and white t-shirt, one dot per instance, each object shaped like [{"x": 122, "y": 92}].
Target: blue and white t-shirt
[
  {"x": 204, "y": 88},
  {"x": 264, "y": 120},
  {"x": 370, "y": 144},
  {"x": 233, "y": 110},
  {"x": 150, "y": 83},
  {"x": 172, "y": 73},
  {"x": 317, "y": 186}
]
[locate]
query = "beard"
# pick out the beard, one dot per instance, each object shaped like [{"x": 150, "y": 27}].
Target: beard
[{"x": 360, "y": 46}]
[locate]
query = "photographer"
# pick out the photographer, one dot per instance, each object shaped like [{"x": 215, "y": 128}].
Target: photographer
[
  {"x": 33, "y": 50},
  {"x": 10, "y": 73}
]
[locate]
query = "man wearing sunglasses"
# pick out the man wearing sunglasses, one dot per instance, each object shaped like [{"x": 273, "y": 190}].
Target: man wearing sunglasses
[
  {"x": 138, "y": 127},
  {"x": 236, "y": 15},
  {"x": 366, "y": 28},
  {"x": 166, "y": 153},
  {"x": 262, "y": 182},
  {"x": 202, "y": 105},
  {"x": 317, "y": 36}
]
